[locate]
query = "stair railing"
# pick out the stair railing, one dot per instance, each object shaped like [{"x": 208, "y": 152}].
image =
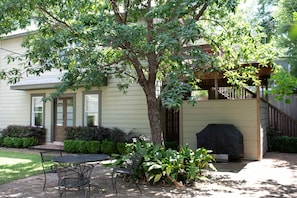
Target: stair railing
[{"x": 281, "y": 122}]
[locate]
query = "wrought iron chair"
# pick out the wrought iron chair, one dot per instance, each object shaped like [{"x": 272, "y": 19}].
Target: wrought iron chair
[
  {"x": 47, "y": 162},
  {"x": 74, "y": 177},
  {"x": 129, "y": 170}
]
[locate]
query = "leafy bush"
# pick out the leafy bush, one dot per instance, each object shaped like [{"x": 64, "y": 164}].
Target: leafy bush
[
  {"x": 25, "y": 131},
  {"x": 98, "y": 134},
  {"x": 17, "y": 142},
  {"x": 284, "y": 144},
  {"x": 27, "y": 142},
  {"x": 83, "y": 146},
  {"x": 94, "y": 146},
  {"x": 170, "y": 166},
  {"x": 121, "y": 148},
  {"x": 1, "y": 141},
  {"x": 108, "y": 147},
  {"x": 71, "y": 146},
  {"x": 8, "y": 141}
]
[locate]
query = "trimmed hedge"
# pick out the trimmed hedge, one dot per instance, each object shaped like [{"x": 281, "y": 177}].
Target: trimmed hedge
[
  {"x": 106, "y": 147},
  {"x": 94, "y": 146},
  {"x": 19, "y": 142}
]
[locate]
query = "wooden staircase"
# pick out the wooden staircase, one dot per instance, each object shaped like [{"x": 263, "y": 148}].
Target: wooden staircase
[{"x": 279, "y": 121}]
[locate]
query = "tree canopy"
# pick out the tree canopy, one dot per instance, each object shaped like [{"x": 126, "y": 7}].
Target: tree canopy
[
  {"x": 138, "y": 41},
  {"x": 279, "y": 21}
]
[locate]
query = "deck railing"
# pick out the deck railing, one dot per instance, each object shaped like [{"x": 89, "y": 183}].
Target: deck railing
[
  {"x": 233, "y": 93},
  {"x": 281, "y": 122}
]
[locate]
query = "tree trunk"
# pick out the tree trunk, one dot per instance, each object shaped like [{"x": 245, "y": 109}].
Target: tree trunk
[{"x": 154, "y": 119}]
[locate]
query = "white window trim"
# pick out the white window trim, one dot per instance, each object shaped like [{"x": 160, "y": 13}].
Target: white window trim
[
  {"x": 99, "y": 106},
  {"x": 33, "y": 112}
]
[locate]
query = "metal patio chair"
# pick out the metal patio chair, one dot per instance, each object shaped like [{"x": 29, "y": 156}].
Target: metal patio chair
[
  {"x": 48, "y": 163},
  {"x": 129, "y": 170},
  {"x": 75, "y": 177}
]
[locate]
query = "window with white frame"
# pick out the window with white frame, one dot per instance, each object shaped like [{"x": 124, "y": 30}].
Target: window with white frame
[
  {"x": 37, "y": 111},
  {"x": 91, "y": 109}
]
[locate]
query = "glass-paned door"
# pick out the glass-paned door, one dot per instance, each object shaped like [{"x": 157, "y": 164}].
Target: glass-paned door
[{"x": 64, "y": 117}]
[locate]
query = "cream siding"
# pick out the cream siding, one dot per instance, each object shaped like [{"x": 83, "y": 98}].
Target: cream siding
[
  {"x": 14, "y": 105},
  {"x": 241, "y": 113},
  {"x": 125, "y": 111}
]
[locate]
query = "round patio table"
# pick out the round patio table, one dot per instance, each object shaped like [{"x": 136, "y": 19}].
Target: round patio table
[{"x": 81, "y": 158}]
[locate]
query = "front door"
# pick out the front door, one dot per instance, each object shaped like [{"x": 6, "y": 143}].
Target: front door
[{"x": 64, "y": 117}]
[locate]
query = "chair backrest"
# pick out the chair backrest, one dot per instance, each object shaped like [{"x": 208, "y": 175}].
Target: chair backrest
[
  {"x": 136, "y": 162},
  {"x": 74, "y": 176},
  {"x": 47, "y": 156}
]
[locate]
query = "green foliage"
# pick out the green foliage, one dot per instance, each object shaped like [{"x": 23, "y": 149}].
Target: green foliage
[
  {"x": 17, "y": 142},
  {"x": 98, "y": 134},
  {"x": 169, "y": 165},
  {"x": 27, "y": 142},
  {"x": 108, "y": 147},
  {"x": 71, "y": 146},
  {"x": 82, "y": 146},
  {"x": 285, "y": 85},
  {"x": 25, "y": 131},
  {"x": 94, "y": 146},
  {"x": 1, "y": 141},
  {"x": 284, "y": 144},
  {"x": 8, "y": 141},
  {"x": 121, "y": 148}
]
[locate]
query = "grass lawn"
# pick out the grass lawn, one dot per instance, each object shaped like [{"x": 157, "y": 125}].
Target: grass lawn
[{"x": 16, "y": 165}]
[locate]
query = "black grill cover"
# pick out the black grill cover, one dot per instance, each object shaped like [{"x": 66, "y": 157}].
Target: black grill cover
[{"x": 221, "y": 139}]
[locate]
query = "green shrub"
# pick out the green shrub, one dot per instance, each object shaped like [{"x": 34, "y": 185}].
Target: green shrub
[
  {"x": 82, "y": 146},
  {"x": 8, "y": 141},
  {"x": 71, "y": 146},
  {"x": 170, "y": 166},
  {"x": 17, "y": 142},
  {"x": 121, "y": 148},
  {"x": 25, "y": 131},
  {"x": 31, "y": 141},
  {"x": 1, "y": 141},
  {"x": 108, "y": 147},
  {"x": 284, "y": 144},
  {"x": 94, "y": 146}
]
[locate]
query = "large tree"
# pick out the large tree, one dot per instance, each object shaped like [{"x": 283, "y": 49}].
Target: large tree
[
  {"x": 138, "y": 41},
  {"x": 279, "y": 20}
]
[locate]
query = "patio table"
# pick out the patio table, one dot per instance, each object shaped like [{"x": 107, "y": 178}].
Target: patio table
[
  {"x": 79, "y": 161},
  {"x": 81, "y": 158}
]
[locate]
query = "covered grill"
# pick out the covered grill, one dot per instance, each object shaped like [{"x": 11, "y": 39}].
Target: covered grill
[{"x": 221, "y": 139}]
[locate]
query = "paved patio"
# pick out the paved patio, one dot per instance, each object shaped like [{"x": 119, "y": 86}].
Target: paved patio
[{"x": 274, "y": 176}]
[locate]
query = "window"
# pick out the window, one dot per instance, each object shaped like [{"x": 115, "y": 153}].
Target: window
[
  {"x": 91, "y": 109},
  {"x": 37, "y": 111}
]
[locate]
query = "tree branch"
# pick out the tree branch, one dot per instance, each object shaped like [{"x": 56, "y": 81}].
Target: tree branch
[
  {"x": 115, "y": 9},
  {"x": 55, "y": 18},
  {"x": 201, "y": 11}
]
